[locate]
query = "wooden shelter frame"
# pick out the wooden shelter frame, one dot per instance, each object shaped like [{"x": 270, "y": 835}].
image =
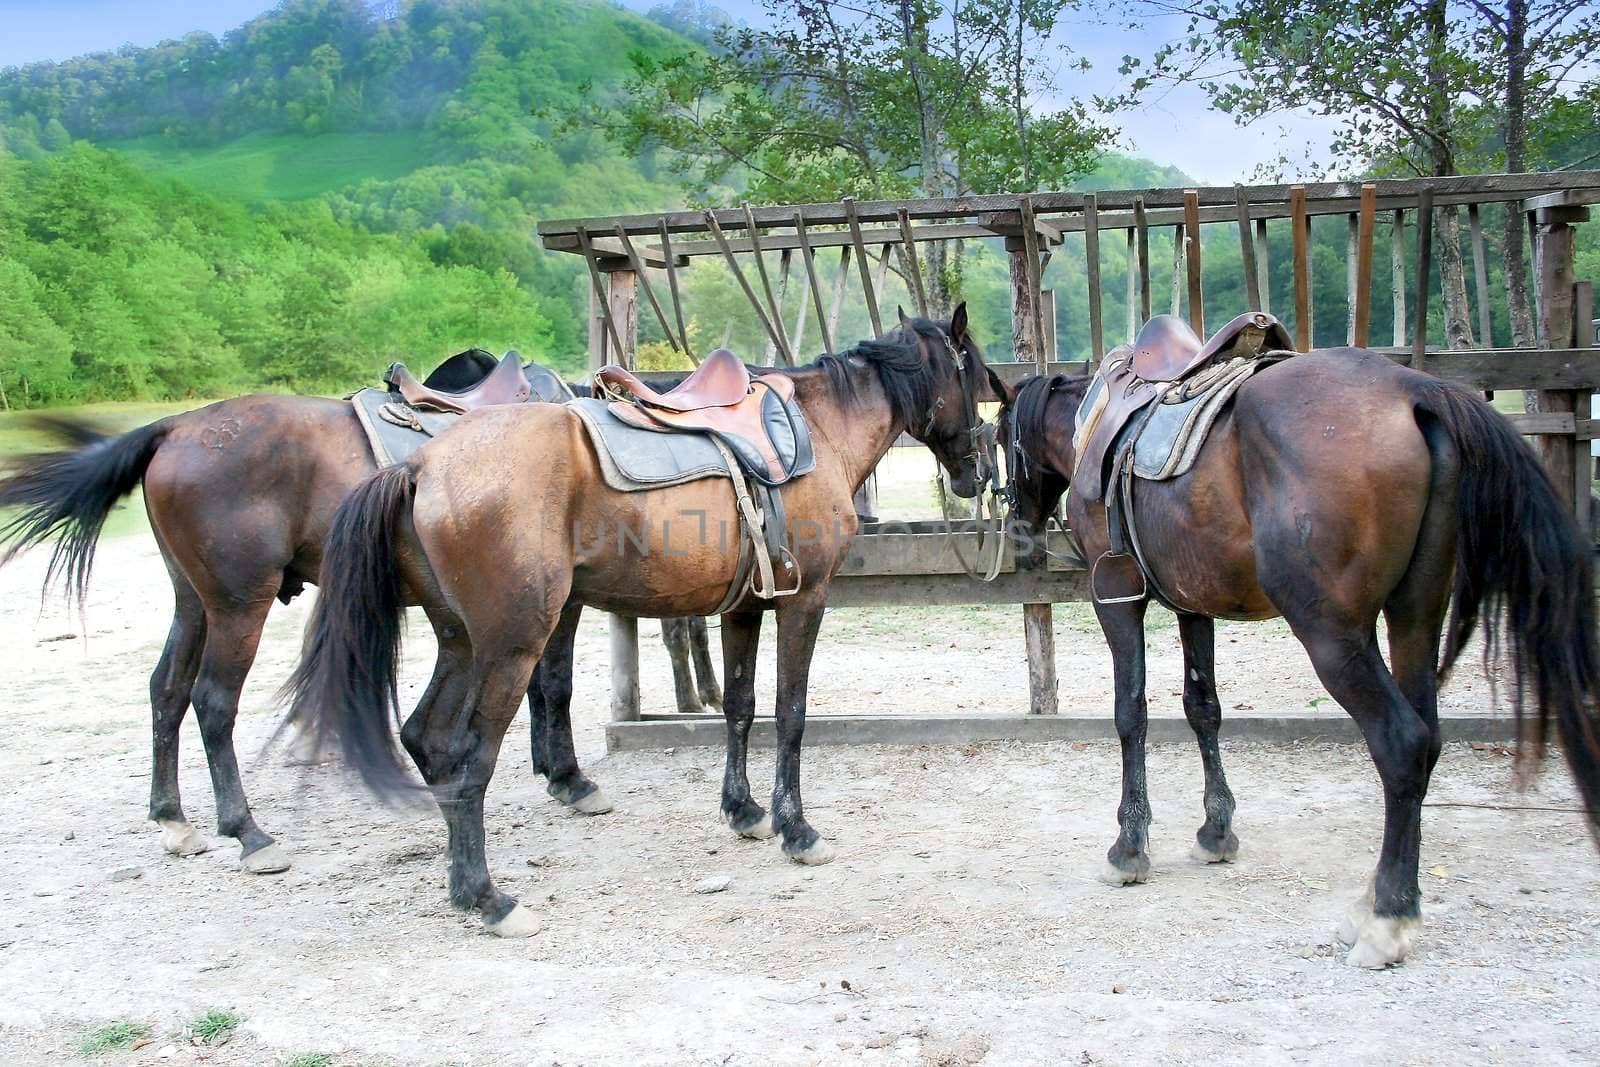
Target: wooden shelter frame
[{"x": 917, "y": 563}]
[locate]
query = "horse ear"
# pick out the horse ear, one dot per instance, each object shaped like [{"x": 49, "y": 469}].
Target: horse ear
[
  {"x": 905, "y": 320},
  {"x": 1002, "y": 392},
  {"x": 958, "y": 322}
]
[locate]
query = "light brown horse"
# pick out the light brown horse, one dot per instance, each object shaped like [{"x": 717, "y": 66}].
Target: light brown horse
[
  {"x": 240, "y": 495},
  {"x": 494, "y": 549},
  {"x": 1337, "y": 487}
]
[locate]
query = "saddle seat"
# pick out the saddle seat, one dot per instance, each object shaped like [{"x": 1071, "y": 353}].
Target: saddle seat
[
  {"x": 754, "y": 416},
  {"x": 1168, "y": 350},
  {"x": 722, "y": 380},
  {"x": 505, "y": 384}
]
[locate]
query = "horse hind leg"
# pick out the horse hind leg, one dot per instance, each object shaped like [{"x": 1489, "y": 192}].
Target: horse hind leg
[
  {"x": 170, "y": 688},
  {"x": 705, "y": 671},
  {"x": 741, "y": 637},
  {"x": 232, "y": 635},
  {"x": 1215, "y": 841},
  {"x": 675, "y": 635},
  {"x": 553, "y": 681},
  {"x": 1128, "y": 860}
]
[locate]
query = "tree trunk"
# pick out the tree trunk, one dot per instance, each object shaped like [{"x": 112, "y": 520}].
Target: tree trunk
[
  {"x": 1453, "y": 278},
  {"x": 1516, "y": 138},
  {"x": 1441, "y": 150}
]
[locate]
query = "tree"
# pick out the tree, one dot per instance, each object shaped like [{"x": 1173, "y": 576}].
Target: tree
[
  {"x": 876, "y": 99},
  {"x": 1398, "y": 76}
]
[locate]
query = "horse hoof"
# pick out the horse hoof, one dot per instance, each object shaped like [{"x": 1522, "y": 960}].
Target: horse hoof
[
  {"x": 182, "y": 839},
  {"x": 518, "y": 922},
  {"x": 1204, "y": 855},
  {"x": 1357, "y": 917},
  {"x": 759, "y": 828},
  {"x": 818, "y": 853},
  {"x": 269, "y": 859},
  {"x": 1111, "y": 874},
  {"x": 1383, "y": 942},
  {"x": 592, "y": 803}
]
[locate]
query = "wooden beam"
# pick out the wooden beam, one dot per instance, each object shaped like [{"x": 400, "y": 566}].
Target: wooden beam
[
  {"x": 1263, "y": 271},
  {"x": 677, "y": 297},
  {"x": 1419, "y": 336},
  {"x": 1177, "y": 269},
  {"x": 1397, "y": 274},
  {"x": 1035, "y": 269},
  {"x": 744, "y": 283},
  {"x": 602, "y": 296},
  {"x": 1368, "y": 222},
  {"x": 1142, "y": 229},
  {"x": 863, "y": 267},
  {"x": 1247, "y": 254},
  {"x": 913, "y": 264},
  {"x": 1480, "y": 274},
  {"x": 1091, "y": 254},
  {"x": 1131, "y": 298},
  {"x": 841, "y": 281},
  {"x": 1191, "y": 225},
  {"x": 1301, "y": 227},
  {"x": 780, "y": 336},
  {"x": 644, "y": 282},
  {"x": 809, "y": 260}
]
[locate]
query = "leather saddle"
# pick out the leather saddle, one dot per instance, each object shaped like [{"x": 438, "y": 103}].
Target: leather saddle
[
  {"x": 756, "y": 418},
  {"x": 1132, "y": 377},
  {"x": 505, "y": 384}
]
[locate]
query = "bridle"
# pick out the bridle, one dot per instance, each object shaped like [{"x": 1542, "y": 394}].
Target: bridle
[{"x": 982, "y": 451}]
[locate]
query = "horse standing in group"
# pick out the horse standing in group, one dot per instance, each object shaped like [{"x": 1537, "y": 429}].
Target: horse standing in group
[
  {"x": 494, "y": 554},
  {"x": 1337, "y": 486},
  {"x": 239, "y": 496}
]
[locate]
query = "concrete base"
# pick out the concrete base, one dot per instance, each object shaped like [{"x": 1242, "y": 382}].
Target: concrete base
[{"x": 693, "y": 730}]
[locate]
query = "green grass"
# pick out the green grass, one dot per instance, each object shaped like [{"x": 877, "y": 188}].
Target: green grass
[
  {"x": 111, "y": 1037},
  {"x": 311, "y": 1059},
  {"x": 215, "y": 1024},
  {"x": 282, "y": 166}
]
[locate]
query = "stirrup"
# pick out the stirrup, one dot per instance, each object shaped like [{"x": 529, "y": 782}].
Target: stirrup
[{"x": 1116, "y": 564}]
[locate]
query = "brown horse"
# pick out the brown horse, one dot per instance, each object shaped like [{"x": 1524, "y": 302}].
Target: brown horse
[
  {"x": 240, "y": 495},
  {"x": 493, "y": 554},
  {"x": 1340, "y": 486}
]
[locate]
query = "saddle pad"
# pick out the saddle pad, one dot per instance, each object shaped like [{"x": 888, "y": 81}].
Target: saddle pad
[
  {"x": 393, "y": 442},
  {"x": 1170, "y": 438},
  {"x": 633, "y": 459}
]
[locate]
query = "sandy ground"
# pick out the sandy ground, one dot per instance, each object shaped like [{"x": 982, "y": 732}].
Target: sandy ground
[{"x": 961, "y": 923}]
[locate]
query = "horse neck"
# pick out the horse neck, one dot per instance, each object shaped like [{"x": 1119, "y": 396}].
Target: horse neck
[
  {"x": 857, "y": 429},
  {"x": 1060, "y": 415}
]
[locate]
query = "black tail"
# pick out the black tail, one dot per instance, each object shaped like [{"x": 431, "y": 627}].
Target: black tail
[
  {"x": 65, "y": 496},
  {"x": 1525, "y": 571},
  {"x": 346, "y": 682}
]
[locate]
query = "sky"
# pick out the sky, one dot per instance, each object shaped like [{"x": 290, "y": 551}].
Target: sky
[{"x": 1178, "y": 128}]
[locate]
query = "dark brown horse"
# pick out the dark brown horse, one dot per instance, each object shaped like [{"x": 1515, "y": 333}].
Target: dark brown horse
[
  {"x": 493, "y": 554},
  {"x": 240, "y": 495},
  {"x": 1337, "y": 487}
]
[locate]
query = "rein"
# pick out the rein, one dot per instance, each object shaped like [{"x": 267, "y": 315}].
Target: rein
[{"x": 986, "y": 462}]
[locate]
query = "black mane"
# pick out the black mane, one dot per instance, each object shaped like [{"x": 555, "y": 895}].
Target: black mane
[
  {"x": 897, "y": 357},
  {"x": 1026, "y": 415}
]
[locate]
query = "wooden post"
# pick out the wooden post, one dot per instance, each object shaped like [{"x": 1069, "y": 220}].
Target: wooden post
[
  {"x": 1133, "y": 289},
  {"x": 1364, "y": 230},
  {"x": 1143, "y": 231},
  {"x": 1091, "y": 254},
  {"x": 1583, "y": 323},
  {"x": 1263, "y": 274},
  {"x": 1301, "y": 237},
  {"x": 624, "y": 303},
  {"x": 1419, "y": 337},
  {"x": 644, "y": 283},
  {"x": 1558, "y": 313},
  {"x": 1038, "y": 620},
  {"x": 1191, "y": 226},
  {"x": 1034, "y": 270},
  {"x": 1177, "y": 269},
  {"x": 1480, "y": 273},
  {"x": 1247, "y": 252},
  {"x": 1047, "y": 312},
  {"x": 1397, "y": 271},
  {"x": 1352, "y": 241}
]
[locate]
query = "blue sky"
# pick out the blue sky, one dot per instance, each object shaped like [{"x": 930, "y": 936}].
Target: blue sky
[{"x": 1177, "y": 129}]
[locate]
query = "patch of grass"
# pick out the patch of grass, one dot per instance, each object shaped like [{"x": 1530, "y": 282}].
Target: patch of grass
[
  {"x": 310, "y": 1059},
  {"x": 111, "y": 1037},
  {"x": 215, "y": 1024},
  {"x": 282, "y": 166}
]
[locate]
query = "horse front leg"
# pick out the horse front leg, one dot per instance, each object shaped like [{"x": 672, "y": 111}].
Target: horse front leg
[
  {"x": 1215, "y": 841},
  {"x": 798, "y": 624},
  {"x": 1123, "y": 625}
]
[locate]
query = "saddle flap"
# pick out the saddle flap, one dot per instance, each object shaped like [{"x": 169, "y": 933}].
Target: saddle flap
[
  {"x": 1116, "y": 396},
  {"x": 765, "y": 431}
]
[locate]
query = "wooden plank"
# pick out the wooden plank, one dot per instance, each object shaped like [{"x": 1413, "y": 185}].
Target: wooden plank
[
  {"x": 624, "y": 669},
  {"x": 881, "y": 274},
  {"x": 779, "y": 335},
  {"x": 1047, "y": 313},
  {"x": 1302, "y": 268},
  {"x": 1177, "y": 269},
  {"x": 1142, "y": 229},
  {"x": 677, "y": 297},
  {"x": 1263, "y": 271},
  {"x": 810, "y": 262},
  {"x": 1352, "y": 241},
  {"x": 1247, "y": 254},
  {"x": 623, "y": 301},
  {"x": 602, "y": 299},
  {"x": 1027, "y": 587},
  {"x": 744, "y": 283},
  {"x": 913, "y": 264},
  {"x": 644, "y": 283},
  {"x": 1480, "y": 274},
  {"x": 1582, "y": 405},
  {"x": 1030, "y": 247},
  {"x": 1367, "y": 224},
  {"x": 1536, "y": 423},
  {"x": 1419, "y": 336},
  {"x": 1562, "y": 198},
  {"x": 1191, "y": 224},
  {"x": 785, "y": 265},
  {"x": 1130, "y": 299},
  {"x": 1091, "y": 255},
  {"x": 861, "y": 264},
  {"x": 932, "y": 548},
  {"x": 1538, "y": 282},
  {"x": 840, "y": 282},
  {"x": 1397, "y": 274}
]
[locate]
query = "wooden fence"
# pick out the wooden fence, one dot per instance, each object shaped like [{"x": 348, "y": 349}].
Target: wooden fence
[{"x": 915, "y": 563}]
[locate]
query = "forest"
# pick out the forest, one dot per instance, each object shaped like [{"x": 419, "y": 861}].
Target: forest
[{"x": 339, "y": 183}]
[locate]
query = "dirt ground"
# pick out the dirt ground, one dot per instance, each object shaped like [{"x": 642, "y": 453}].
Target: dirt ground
[{"x": 961, "y": 923}]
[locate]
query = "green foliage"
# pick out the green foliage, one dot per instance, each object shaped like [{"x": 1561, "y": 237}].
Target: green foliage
[
  {"x": 310, "y": 1059},
  {"x": 115, "y": 285},
  {"x": 111, "y": 1037},
  {"x": 215, "y": 1024}
]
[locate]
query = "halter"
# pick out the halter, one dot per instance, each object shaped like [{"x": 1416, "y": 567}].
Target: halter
[{"x": 983, "y": 453}]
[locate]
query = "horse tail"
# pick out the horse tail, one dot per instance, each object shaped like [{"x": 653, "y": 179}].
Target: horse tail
[
  {"x": 1524, "y": 571},
  {"x": 65, "y": 496},
  {"x": 345, "y": 684}
]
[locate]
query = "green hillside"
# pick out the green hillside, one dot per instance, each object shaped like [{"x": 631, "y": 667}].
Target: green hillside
[{"x": 259, "y": 167}]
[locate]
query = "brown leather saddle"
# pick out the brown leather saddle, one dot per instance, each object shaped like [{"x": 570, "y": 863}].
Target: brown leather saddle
[
  {"x": 505, "y": 384},
  {"x": 1130, "y": 381}
]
